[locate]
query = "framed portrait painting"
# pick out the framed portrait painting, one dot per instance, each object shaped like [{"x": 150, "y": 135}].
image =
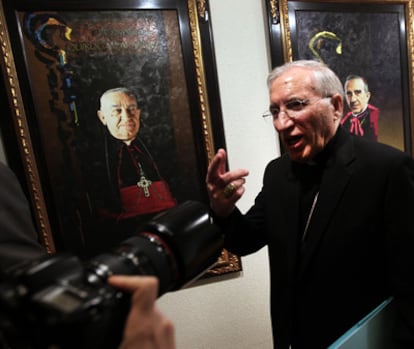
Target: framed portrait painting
[
  {"x": 115, "y": 108},
  {"x": 368, "y": 39}
]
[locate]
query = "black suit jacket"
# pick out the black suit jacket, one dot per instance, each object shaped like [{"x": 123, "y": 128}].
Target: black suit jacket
[
  {"x": 359, "y": 248},
  {"x": 18, "y": 238}
]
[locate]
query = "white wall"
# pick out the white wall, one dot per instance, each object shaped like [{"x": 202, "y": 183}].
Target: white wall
[{"x": 234, "y": 312}]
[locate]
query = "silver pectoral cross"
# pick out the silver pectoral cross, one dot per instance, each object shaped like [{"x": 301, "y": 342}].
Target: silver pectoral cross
[{"x": 144, "y": 183}]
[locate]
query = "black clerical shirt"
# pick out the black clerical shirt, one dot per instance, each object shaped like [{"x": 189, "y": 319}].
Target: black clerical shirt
[{"x": 310, "y": 177}]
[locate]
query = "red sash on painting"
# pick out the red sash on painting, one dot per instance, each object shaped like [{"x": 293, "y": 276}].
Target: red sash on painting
[
  {"x": 136, "y": 202},
  {"x": 147, "y": 195}
]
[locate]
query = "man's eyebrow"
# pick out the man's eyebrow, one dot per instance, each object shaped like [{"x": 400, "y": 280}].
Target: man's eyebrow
[{"x": 287, "y": 100}]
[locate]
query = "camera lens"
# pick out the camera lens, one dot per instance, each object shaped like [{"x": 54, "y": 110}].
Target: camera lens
[{"x": 144, "y": 254}]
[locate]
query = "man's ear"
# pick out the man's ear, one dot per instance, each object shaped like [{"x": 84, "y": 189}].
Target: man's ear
[
  {"x": 338, "y": 105},
  {"x": 101, "y": 117}
]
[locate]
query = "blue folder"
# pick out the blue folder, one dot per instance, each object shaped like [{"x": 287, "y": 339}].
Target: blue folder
[{"x": 372, "y": 332}]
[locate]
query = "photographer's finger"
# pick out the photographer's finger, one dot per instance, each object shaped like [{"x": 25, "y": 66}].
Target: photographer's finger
[
  {"x": 164, "y": 332},
  {"x": 131, "y": 283},
  {"x": 146, "y": 327},
  {"x": 148, "y": 331},
  {"x": 144, "y": 288}
]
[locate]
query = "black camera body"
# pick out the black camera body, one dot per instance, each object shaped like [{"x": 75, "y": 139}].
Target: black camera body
[{"x": 67, "y": 302}]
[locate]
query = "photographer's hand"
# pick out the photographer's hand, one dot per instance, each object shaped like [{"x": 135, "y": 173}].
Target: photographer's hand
[{"x": 146, "y": 327}]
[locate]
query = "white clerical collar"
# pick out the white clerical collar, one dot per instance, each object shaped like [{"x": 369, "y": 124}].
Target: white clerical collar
[{"x": 357, "y": 114}]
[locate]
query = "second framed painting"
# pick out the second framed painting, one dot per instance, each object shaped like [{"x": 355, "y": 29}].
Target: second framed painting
[
  {"x": 369, "y": 40},
  {"x": 116, "y": 112}
]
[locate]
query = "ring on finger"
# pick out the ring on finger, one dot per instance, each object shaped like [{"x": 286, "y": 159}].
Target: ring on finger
[{"x": 229, "y": 190}]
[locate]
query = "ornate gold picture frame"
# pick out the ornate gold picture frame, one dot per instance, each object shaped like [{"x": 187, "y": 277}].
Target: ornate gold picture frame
[
  {"x": 57, "y": 60},
  {"x": 369, "y": 38}
]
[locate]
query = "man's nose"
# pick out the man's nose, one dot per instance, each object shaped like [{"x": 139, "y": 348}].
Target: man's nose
[
  {"x": 283, "y": 121},
  {"x": 125, "y": 114}
]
